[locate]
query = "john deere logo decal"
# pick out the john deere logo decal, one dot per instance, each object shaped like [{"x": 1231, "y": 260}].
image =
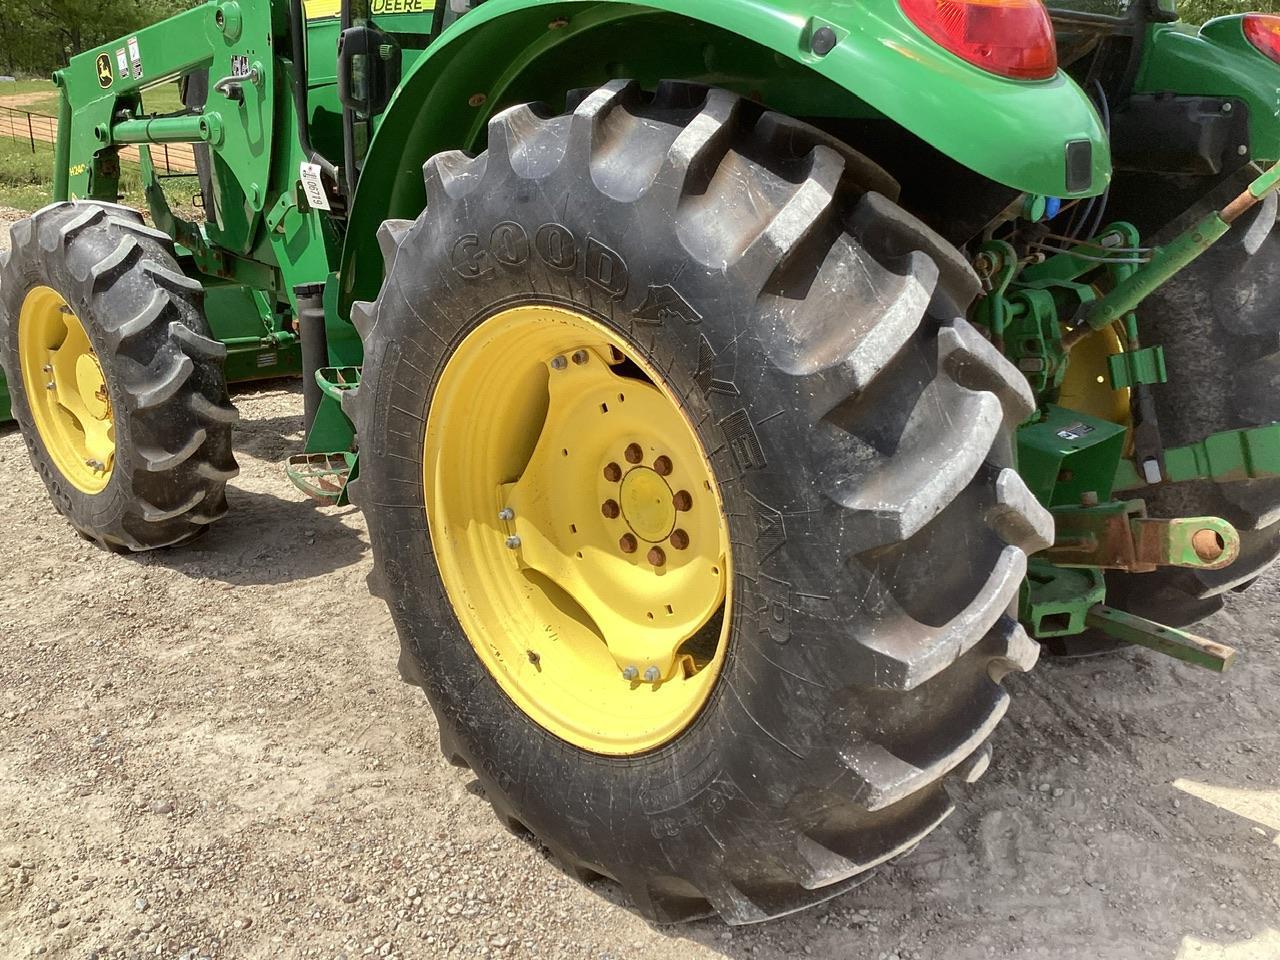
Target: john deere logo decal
[{"x": 105, "y": 76}]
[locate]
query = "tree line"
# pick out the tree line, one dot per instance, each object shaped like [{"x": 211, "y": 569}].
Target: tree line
[{"x": 40, "y": 36}]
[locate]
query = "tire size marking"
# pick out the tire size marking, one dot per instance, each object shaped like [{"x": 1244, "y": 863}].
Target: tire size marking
[
  {"x": 554, "y": 244},
  {"x": 743, "y": 441}
]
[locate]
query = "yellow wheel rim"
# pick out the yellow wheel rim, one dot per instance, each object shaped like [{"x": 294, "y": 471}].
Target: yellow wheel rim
[
  {"x": 66, "y": 390},
  {"x": 1087, "y": 384},
  {"x": 578, "y": 529}
]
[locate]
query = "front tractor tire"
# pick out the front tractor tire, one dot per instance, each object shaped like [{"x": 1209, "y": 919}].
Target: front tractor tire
[
  {"x": 116, "y": 384},
  {"x": 745, "y": 719}
]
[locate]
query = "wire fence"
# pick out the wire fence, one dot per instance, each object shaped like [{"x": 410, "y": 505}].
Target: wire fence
[{"x": 39, "y": 129}]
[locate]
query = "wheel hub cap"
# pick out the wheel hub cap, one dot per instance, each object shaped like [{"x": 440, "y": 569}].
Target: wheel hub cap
[{"x": 648, "y": 504}]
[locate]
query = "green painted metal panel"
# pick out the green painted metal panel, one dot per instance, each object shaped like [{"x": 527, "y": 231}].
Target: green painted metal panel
[
  {"x": 1064, "y": 454},
  {"x": 510, "y": 51},
  {"x": 1216, "y": 60}
]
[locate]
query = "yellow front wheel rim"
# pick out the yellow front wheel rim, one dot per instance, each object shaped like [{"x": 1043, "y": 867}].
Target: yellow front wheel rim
[
  {"x": 66, "y": 390},
  {"x": 578, "y": 529}
]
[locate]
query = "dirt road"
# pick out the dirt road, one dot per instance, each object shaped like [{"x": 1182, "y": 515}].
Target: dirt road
[
  {"x": 18, "y": 124},
  {"x": 208, "y": 753}
]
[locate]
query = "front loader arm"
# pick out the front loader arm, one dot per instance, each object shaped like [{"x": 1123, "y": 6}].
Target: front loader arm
[{"x": 101, "y": 108}]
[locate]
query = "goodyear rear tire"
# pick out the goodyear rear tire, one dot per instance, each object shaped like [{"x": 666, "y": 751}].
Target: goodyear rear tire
[
  {"x": 1219, "y": 322},
  {"x": 157, "y": 473},
  {"x": 860, "y": 437}
]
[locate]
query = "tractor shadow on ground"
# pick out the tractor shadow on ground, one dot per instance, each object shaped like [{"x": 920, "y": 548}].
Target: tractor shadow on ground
[{"x": 265, "y": 539}]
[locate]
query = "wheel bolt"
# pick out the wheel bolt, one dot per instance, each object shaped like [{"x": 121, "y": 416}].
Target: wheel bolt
[
  {"x": 628, "y": 543},
  {"x": 613, "y": 473},
  {"x": 651, "y": 675},
  {"x": 50, "y": 386},
  {"x": 683, "y": 501},
  {"x": 611, "y": 509},
  {"x": 657, "y": 557},
  {"x": 47, "y": 368},
  {"x": 662, "y": 466},
  {"x": 559, "y": 363},
  {"x": 580, "y": 357},
  {"x": 506, "y": 513},
  {"x": 634, "y": 453},
  {"x": 513, "y": 543},
  {"x": 680, "y": 539},
  {"x": 630, "y": 674}
]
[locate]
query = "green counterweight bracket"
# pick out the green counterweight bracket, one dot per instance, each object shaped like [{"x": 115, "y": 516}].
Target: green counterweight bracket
[
  {"x": 1139, "y": 366},
  {"x": 1170, "y": 641}
]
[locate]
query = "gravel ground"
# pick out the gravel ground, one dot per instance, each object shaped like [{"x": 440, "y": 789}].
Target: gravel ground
[{"x": 207, "y": 753}]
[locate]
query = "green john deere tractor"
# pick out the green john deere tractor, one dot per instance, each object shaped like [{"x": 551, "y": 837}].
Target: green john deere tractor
[{"x": 736, "y": 392}]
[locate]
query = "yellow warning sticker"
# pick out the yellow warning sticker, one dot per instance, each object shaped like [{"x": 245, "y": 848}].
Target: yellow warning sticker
[{"x": 321, "y": 9}]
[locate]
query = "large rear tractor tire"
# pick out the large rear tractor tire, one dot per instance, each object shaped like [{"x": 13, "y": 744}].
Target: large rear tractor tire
[
  {"x": 690, "y": 494},
  {"x": 116, "y": 384},
  {"x": 1219, "y": 322}
]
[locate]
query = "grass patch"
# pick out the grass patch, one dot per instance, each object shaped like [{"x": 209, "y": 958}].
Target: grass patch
[
  {"x": 43, "y": 97},
  {"x": 26, "y": 181}
]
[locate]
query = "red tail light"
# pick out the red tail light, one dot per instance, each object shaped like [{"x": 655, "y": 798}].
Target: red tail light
[
  {"x": 1263, "y": 31},
  {"x": 1012, "y": 38}
]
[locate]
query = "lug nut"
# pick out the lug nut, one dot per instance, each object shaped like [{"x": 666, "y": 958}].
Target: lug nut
[
  {"x": 47, "y": 368},
  {"x": 506, "y": 513},
  {"x": 513, "y": 543},
  {"x": 630, "y": 674},
  {"x": 580, "y": 357},
  {"x": 559, "y": 363},
  {"x": 627, "y": 544},
  {"x": 683, "y": 501},
  {"x": 651, "y": 675},
  {"x": 680, "y": 539},
  {"x": 657, "y": 557},
  {"x": 634, "y": 453},
  {"x": 662, "y": 466},
  {"x": 50, "y": 386},
  {"x": 613, "y": 473},
  {"x": 611, "y": 510}
]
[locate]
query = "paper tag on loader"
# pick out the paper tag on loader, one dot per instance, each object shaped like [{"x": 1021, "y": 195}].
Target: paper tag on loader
[{"x": 313, "y": 186}]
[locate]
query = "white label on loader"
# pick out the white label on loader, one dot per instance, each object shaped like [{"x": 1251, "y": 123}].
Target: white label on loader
[
  {"x": 135, "y": 57},
  {"x": 313, "y": 186},
  {"x": 122, "y": 63}
]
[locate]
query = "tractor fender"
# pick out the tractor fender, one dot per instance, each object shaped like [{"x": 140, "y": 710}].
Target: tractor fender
[
  {"x": 1216, "y": 60},
  {"x": 511, "y": 51}
]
